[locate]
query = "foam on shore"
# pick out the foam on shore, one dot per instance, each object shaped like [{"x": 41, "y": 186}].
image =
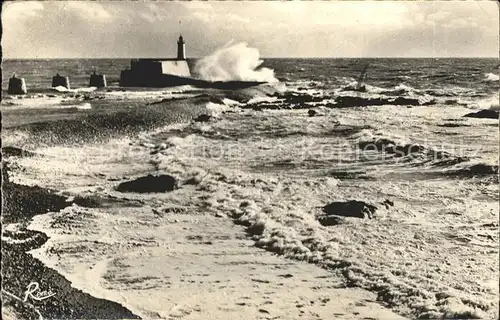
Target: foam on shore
[{"x": 271, "y": 171}]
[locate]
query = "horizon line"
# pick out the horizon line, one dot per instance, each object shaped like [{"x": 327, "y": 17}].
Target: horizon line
[{"x": 197, "y": 58}]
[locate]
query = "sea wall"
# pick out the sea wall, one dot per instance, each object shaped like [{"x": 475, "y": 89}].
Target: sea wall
[{"x": 175, "y": 67}]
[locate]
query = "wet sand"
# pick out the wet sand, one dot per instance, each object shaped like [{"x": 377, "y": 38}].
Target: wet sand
[
  {"x": 19, "y": 268},
  {"x": 210, "y": 269}
]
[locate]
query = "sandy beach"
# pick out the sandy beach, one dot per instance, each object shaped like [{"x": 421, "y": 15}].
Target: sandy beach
[{"x": 209, "y": 269}]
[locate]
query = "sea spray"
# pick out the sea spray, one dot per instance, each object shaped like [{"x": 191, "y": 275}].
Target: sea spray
[
  {"x": 491, "y": 77},
  {"x": 234, "y": 61}
]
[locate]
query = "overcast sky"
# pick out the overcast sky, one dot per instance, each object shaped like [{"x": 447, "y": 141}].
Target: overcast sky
[{"x": 65, "y": 29}]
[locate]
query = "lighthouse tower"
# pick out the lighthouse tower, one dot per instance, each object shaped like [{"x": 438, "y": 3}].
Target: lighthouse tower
[{"x": 181, "y": 49}]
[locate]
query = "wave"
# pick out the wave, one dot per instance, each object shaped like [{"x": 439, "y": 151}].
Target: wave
[
  {"x": 474, "y": 170},
  {"x": 234, "y": 61},
  {"x": 64, "y": 89},
  {"x": 396, "y": 90},
  {"x": 491, "y": 102},
  {"x": 103, "y": 126},
  {"x": 48, "y": 105},
  {"x": 490, "y": 77},
  {"x": 400, "y": 147}
]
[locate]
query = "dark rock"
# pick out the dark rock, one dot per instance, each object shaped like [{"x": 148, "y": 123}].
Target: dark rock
[
  {"x": 352, "y": 208},
  {"x": 16, "y": 152},
  {"x": 149, "y": 183},
  {"x": 429, "y": 103},
  {"x": 388, "y": 203},
  {"x": 299, "y": 99},
  {"x": 361, "y": 88},
  {"x": 453, "y": 125},
  {"x": 347, "y": 102},
  {"x": 330, "y": 220},
  {"x": 88, "y": 202},
  {"x": 203, "y": 118},
  {"x": 256, "y": 229},
  {"x": 483, "y": 169},
  {"x": 265, "y": 105},
  {"x": 244, "y": 204},
  {"x": 330, "y": 105},
  {"x": 261, "y": 281},
  {"x": 378, "y": 144},
  {"x": 193, "y": 181},
  {"x": 406, "y": 101},
  {"x": 477, "y": 170},
  {"x": 312, "y": 113},
  {"x": 22, "y": 202},
  {"x": 344, "y": 175},
  {"x": 216, "y": 100},
  {"x": 446, "y": 159},
  {"x": 485, "y": 114}
]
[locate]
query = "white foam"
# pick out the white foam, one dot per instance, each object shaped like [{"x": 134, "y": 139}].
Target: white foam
[
  {"x": 262, "y": 99},
  {"x": 84, "y": 106},
  {"x": 491, "y": 77},
  {"x": 491, "y": 102},
  {"x": 64, "y": 89},
  {"x": 242, "y": 178},
  {"x": 216, "y": 109},
  {"x": 234, "y": 61},
  {"x": 47, "y": 103},
  {"x": 230, "y": 102},
  {"x": 61, "y": 167}
]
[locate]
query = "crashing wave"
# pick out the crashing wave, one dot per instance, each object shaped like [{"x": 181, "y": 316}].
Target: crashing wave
[
  {"x": 491, "y": 77},
  {"x": 401, "y": 148},
  {"x": 234, "y": 61}
]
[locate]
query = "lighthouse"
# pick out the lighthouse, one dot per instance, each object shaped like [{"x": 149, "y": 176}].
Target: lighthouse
[{"x": 181, "y": 49}]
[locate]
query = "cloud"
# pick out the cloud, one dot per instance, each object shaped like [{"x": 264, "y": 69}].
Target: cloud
[
  {"x": 18, "y": 11},
  {"x": 307, "y": 29},
  {"x": 88, "y": 10}
]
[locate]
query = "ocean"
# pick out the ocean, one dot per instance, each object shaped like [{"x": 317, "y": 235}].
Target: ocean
[{"x": 400, "y": 152}]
